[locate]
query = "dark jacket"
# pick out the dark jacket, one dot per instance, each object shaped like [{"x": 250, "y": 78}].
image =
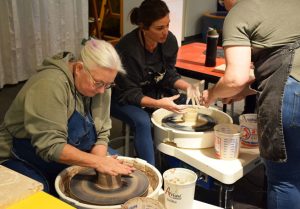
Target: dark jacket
[{"x": 147, "y": 73}]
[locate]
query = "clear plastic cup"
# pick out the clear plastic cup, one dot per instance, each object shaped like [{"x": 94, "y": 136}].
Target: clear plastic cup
[{"x": 227, "y": 141}]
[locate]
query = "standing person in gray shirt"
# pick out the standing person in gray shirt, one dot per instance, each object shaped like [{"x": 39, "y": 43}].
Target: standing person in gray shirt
[{"x": 259, "y": 29}]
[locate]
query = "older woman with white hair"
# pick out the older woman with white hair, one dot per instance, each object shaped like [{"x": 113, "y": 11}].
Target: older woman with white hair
[{"x": 61, "y": 116}]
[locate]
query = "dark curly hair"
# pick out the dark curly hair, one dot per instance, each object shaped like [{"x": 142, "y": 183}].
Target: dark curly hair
[{"x": 148, "y": 12}]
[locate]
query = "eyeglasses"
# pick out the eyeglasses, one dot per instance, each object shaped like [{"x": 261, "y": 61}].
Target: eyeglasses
[{"x": 99, "y": 84}]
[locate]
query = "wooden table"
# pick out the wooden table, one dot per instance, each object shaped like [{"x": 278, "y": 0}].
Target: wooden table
[{"x": 190, "y": 63}]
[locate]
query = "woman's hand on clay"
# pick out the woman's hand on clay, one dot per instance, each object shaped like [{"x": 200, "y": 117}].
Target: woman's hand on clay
[
  {"x": 194, "y": 94},
  {"x": 208, "y": 97},
  {"x": 113, "y": 166}
]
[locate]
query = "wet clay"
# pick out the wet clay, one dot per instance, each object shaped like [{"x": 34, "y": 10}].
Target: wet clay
[
  {"x": 72, "y": 171},
  {"x": 85, "y": 187},
  {"x": 191, "y": 120}
]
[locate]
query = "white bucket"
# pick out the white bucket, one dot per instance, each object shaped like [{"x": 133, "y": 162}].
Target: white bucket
[
  {"x": 227, "y": 141},
  {"x": 179, "y": 188},
  {"x": 248, "y": 125}
]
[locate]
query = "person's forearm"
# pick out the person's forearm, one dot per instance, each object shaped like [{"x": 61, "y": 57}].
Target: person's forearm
[
  {"x": 100, "y": 150},
  {"x": 73, "y": 156},
  {"x": 225, "y": 90},
  {"x": 149, "y": 102},
  {"x": 228, "y": 87},
  {"x": 107, "y": 165},
  {"x": 181, "y": 84},
  {"x": 237, "y": 72}
]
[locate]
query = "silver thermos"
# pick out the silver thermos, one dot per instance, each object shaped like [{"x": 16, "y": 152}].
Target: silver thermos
[{"x": 211, "y": 47}]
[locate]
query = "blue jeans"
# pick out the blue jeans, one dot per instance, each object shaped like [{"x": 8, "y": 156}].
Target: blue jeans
[
  {"x": 284, "y": 178},
  {"x": 138, "y": 120}
]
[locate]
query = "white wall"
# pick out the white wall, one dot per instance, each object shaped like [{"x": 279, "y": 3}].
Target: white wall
[
  {"x": 194, "y": 9},
  {"x": 185, "y": 15},
  {"x": 176, "y": 17},
  {"x": 127, "y": 7}
]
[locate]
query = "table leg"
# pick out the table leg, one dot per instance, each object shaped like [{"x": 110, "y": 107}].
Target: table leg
[
  {"x": 224, "y": 108},
  {"x": 232, "y": 109},
  {"x": 206, "y": 84},
  {"x": 225, "y": 196}
]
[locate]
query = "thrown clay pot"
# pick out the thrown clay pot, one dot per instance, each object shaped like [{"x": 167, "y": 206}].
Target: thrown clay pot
[{"x": 191, "y": 115}]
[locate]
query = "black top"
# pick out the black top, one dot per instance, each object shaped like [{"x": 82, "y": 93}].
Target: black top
[{"x": 147, "y": 73}]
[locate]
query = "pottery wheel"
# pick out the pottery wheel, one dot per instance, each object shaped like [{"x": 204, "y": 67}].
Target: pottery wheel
[
  {"x": 83, "y": 187},
  {"x": 203, "y": 123}
]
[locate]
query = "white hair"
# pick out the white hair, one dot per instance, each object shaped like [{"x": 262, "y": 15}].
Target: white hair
[{"x": 102, "y": 54}]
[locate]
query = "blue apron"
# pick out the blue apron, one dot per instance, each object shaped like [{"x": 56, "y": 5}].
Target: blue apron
[{"x": 81, "y": 134}]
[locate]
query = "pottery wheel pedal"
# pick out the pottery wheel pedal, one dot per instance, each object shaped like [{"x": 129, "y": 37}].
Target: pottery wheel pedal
[{"x": 89, "y": 186}]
